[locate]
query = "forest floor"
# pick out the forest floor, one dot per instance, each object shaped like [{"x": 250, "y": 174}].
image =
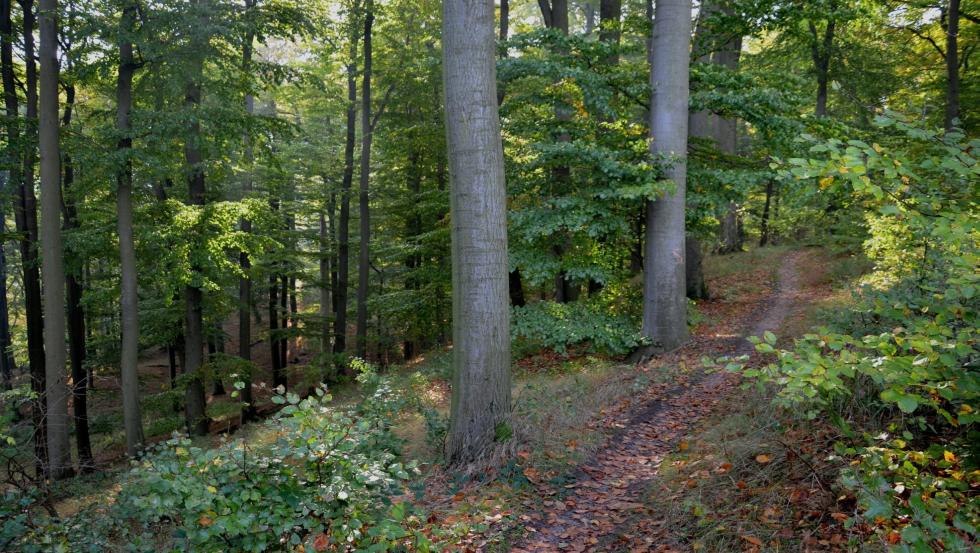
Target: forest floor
[
  {"x": 683, "y": 459},
  {"x": 664, "y": 456}
]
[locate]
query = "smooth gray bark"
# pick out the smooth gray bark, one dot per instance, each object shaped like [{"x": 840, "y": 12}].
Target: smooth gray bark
[
  {"x": 52, "y": 262},
  {"x": 480, "y": 408},
  {"x": 664, "y": 299},
  {"x": 128, "y": 296}
]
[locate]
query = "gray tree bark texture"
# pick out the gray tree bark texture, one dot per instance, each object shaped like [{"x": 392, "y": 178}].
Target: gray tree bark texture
[
  {"x": 52, "y": 262},
  {"x": 128, "y": 297},
  {"x": 664, "y": 298},
  {"x": 481, "y": 405}
]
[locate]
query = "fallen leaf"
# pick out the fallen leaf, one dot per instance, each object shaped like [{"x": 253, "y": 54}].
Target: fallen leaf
[
  {"x": 321, "y": 542},
  {"x": 762, "y": 459},
  {"x": 753, "y": 540}
]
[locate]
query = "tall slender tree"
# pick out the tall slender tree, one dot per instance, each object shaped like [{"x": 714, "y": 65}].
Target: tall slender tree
[
  {"x": 245, "y": 282},
  {"x": 664, "y": 299},
  {"x": 128, "y": 293},
  {"x": 480, "y": 408},
  {"x": 343, "y": 223},
  {"x": 364, "y": 206},
  {"x": 52, "y": 262},
  {"x": 25, "y": 213}
]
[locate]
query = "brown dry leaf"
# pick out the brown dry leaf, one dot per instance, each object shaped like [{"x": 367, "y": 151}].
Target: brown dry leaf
[
  {"x": 741, "y": 485},
  {"x": 458, "y": 496},
  {"x": 321, "y": 542},
  {"x": 839, "y": 517},
  {"x": 753, "y": 540},
  {"x": 205, "y": 521},
  {"x": 723, "y": 468},
  {"x": 763, "y": 459},
  {"x": 683, "y": 446}
]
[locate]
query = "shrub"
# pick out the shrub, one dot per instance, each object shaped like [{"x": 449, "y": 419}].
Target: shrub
[{"x": 560, "y": 326}]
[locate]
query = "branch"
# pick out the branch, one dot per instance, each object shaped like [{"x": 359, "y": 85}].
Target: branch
[
  {"x": 927, "y": 38},
  {"x": 381, "y": 108}
]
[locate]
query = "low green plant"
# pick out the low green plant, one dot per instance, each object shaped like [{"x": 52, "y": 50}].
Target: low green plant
[{"x": 559, "y": 326}]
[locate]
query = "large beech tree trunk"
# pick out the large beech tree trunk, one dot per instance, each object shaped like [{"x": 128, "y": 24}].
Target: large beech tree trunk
[
  {"x": 480, "y": 408},
  {"x": 128, "y": 295},
  {"x": 52, "y": 264},
  {"x": 364, "y": 206},
  {"x": 664, "y": 298},
  {"x": 194, "y": 399}
]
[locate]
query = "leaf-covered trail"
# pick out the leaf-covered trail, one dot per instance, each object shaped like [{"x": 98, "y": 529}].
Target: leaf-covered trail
[{"x": 598, "y": 512}]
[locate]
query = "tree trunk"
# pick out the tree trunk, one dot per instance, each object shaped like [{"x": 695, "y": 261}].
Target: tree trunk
[
  {"x": 480, "y": 410},
  {"x": 283, "y": 324},
  {"x": 343, "y": 232},
  {"x": 821, "y": 53},
  {"x": 52, "y": 264},
  {"x": 764, "y": 225},
  {"x": 664, "y": 298},
  {"x": 7, "y": 363},
  {"x": 952, "y": 65},
  {"x": 726, "y": 136},
  {"x": 76, "y": 313},
  {"x": 325, "y": 289},
  {"x": 697, "y": 288},
  {"x": 11, "y": 180},
  {"x": 245, "y": 283},
  {"x": 278, "y": 375},
  {"x": 194, "y": 402},
  {"x": 555, "y": 16},
  {"x": 610, "y": 14},
  {"x": 364, "y": 257},
  {"x": 25, "y": 216}
]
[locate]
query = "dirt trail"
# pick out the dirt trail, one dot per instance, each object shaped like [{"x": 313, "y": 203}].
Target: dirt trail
[{"x": 597, "y": 512}]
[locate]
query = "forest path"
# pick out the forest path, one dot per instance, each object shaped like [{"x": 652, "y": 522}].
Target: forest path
[{"x": 598, "y": 513}]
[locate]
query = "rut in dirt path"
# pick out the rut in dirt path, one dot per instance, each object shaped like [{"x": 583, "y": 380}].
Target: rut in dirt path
[{"x": 593, "y": 516}]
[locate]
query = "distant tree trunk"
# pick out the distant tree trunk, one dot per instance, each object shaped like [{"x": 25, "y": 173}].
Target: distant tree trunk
[
  {"x": 610, "y": 14},
  {"x": 726, "y": 129},
  {"x": 325, "y": 288},
  {"x": 414, "y": 228},
  {"x": 11, "y": 179},
  {"x": 25, "y": 215},
  {"x": 764, "y": 225},
  {"x": 664, "y": 298},
  {"x": 343, "y": 232},
  {"x": 820, "y": 51},
  {"x": 283, "y": 323},
  {"x": 216, "y": 345},
  {"x": 76, "y": 313},
  {"x": 516, "y": 288},
  {"x": 697, "y": 288},
  {"x": 245, "y": 282},
  {"x": 952, "y": 65},
  {"x": 480, "y": 410},
  {"x": 52, "y": 264},
  {"x": 364, "y": 257},
  {"x": 555, "y": 16},
  {"x": 194, "y": 402},
  {"x": 7, "y": 363},
  {"x": 278, "y": 374}
]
